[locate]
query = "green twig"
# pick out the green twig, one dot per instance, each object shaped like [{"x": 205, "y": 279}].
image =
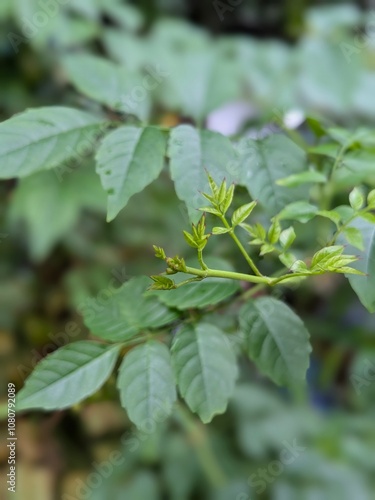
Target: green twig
[
  {"x": 249, "y": 260},
  {"x": 200, "y": 260},
  {"x": 216, "y": 273}
]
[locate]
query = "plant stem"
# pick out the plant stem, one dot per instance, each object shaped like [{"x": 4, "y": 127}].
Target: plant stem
[
  {"x": 200, "y": 260},
  {"x": 216, "y": 273},
  {"x": 249, "y": 260},
  {"x": 291, "y": 275},
  {"x": 257, "y": 288},
  {"x": 198, "y": 438}
]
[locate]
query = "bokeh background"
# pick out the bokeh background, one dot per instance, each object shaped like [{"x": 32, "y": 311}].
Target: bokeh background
[{"x": 269, "y": 61}]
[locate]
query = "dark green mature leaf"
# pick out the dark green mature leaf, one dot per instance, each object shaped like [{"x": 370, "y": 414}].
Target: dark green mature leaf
[
  {"x": 68, "y": 376},
  {"x": 206, "y": 369},
  {"x": 146, "y": 383},
  {"x": 277, "y": 340},
  {"x": 199, "y": 295},
  {"x": 191, "y": 151},
  {"x": 364, "y": 286},
  {"x": 109, "y": 84},
  {"x": 50, "y": 203},
  {"x": 126, "y": 312},
  {"x": 262, "y": 163},
  {"x": 128, "y": 160},
  {"x": 41, "y": 139}
]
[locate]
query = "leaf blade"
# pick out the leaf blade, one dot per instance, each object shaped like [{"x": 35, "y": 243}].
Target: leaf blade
[
  {"x": 146, "y": 383},
  {"x": 124, "y": 165},
  {"x": 277, "y": 340},
  {"x": 128, "y": 310},
  {"x": 67, "y": 376},
  {"x": 41, "y": 139},
  {"x": 205, "y": 367}
]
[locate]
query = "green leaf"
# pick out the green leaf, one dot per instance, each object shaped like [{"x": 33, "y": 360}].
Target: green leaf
[
  {"x": 191, "y": 240},
  {"x": 224, "y": 206},
  {"x": 201, "y": 80},
  {"x": 345, "y": 212},
  {"x": 357, "y": 167},
  {"x": 309, "y": 177},
  {"x": 329, "y": 149},
  {"x": 206, "y": 369},
  {"x": 159, "y": 252},
  {"x": 262, "y": 163},
  {"x": 60, "y": 28},
  {"x": 191, "y": 152},
  {"x": 161, "y": 283},
  {"x": 323, "y": 257},
  {"x": 50, "y": 204},
  {"x": 146, "y": 383},
  {"x": 371, "y": 199},
  {"x": 299, "y": 266},
  {"x": 210, "y": 210},
  {"x": 257, "y": 231},
  {"x": 330, "y": 84},
  {"x": 220, "y": 230},
  {"x": 300, "y": 211},
  {"x": 277, "y": 340},
  {"x": 126, "y": 312},
  {"x": 274, "y": 231},
  {"x": 125, "y": 48},
  {"x": 201, "y": 294},
  {"x": 128, "y": 160},
  {"x": 354, "y": 237},
  {"x": 287, "y": 259},
  {"x": 108, "y": 83},
  {"x": 44, "y": 138},
  {"x": 331, "y": 259},
  {"x": 364, "y": 285},
  {"x": 356, "y": 199},
  {"x": 287, "y": 237},
  {"x": 127, "y": 16},
  {"x": 242, "y": 213},
  {"x": 332, "y": 215},
  {"x": 266, "y": 248},
  {"x": 67, "y": 376}
]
